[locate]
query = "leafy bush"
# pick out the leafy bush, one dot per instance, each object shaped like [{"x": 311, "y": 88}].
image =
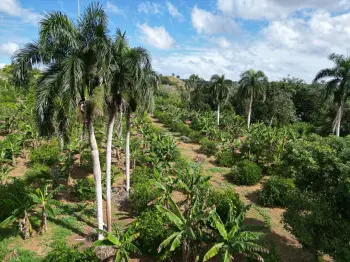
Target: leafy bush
[
  {"x": 142, "y": 194},
  {"x": 47, "y": 154},
  {"x": 141, "y": 174},
  {"x": 225, "y": 158},
  {"x": 38, "y": 172},
  {"x": 84, "y": 189},
  {"x": 23, "y": 255},
  {"x": 322, "y": 190},
  {"x": 12, "y": 194},
  {"x": 61, "y": 252},
  {"x": 152, "y": 231},
  {"x": 195, "y": 136},
  {"x": 208, "y": 147},
  {"x": 245, "y": 173},
  {"x": 164, "y": 147},
  {"x": 222, "y": 198},
  {"x": 275, "y": 191}
]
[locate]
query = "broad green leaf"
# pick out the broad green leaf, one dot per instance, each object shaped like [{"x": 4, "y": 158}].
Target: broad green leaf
[
  {"x": 112, "y": 238},
  {"x": 226, "y": 256},
  {"x": 167, "y": 241},
  {"x": 176, "y": 242},
  {"x": 8, "y": 221},
  {"x": 172, "y": 217},
  {"x": 213, "y": 251}
]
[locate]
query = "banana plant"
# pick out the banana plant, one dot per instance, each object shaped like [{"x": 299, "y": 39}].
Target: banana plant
[
  {"x": 43, "y": 198},
  {"x": 188, "y": 225},
  {"x": 166, "y": 186},
  {"x": 20, "y": 214},
  {"x": 122, "y": 242},
  {"x": 234, "y": 238}
]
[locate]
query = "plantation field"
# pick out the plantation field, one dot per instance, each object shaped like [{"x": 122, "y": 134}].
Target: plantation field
[{"x": 104, "y": 159}]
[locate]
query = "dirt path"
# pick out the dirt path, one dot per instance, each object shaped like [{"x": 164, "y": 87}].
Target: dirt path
[{"x": 287, "y": 245}]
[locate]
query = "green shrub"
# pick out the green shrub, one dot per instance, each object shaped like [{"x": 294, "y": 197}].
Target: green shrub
[
  {"x": 61, "y": 252},
  {"x": 225, "y": 159},
  {"x": 142, "y": 194},
  {"x": 38, "y": 172},
  {"x": 245, "y": 173},
  {"x": 24, "y": 255},
  {"x": 222, "y": 198},
  {"x": 84, "y": 189},
  {"x": 9, "y": 195},
  {"x": 152, "y": 231},
  {"x": 141, "y": 174},
  {"x": 275, "y": 191},
  {"x": 208, "y": 147},
  {"x": 86, "y": 160},
  {"x": 47, "y": 154},
  {"x": 195, "y": 136}
]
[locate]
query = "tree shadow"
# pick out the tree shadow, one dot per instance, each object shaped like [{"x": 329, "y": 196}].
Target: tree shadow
[
  {"x": 254, "y": 197},
  {"x": 68, "y": 226},
  {"x": 288, "y": 249}
]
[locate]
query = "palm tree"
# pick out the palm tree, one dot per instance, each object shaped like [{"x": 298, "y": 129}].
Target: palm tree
[
  {"x": 251, "y": 85},
  {"x": 234, "y": 238},
  {"x": 76, "y": 57},
  {"x": 220, "y": 91},
  {"x": 191, "y": 84},
  {"x": 44, "y": 199},
  {"x": 338, "y": 84},
  {"x": 122, "y": 242}
]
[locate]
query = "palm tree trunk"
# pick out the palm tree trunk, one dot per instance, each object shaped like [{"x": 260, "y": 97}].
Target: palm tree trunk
[
  {"x": 337, "y": 120},
  {"x": 127, "y": 152},
  {"x": 218, "y": 114},
  {"x": 250, "y": 109},
  {"x": 97, "y": 176},
  {"x": 120, "y": 124},
  {"x": 110, "y": 127}
]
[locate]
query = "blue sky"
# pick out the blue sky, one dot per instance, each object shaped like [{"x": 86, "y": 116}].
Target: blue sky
[{"x": 281, "y": 37}]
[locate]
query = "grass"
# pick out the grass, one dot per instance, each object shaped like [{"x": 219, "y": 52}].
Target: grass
[{"x": 217, "y": 169}]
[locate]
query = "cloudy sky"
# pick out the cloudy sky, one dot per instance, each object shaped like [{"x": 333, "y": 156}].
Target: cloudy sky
[{"x": 206, "y": 37}]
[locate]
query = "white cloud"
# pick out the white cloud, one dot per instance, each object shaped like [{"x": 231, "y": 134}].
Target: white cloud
[
  {"x": 8, "y": 48},
  {"x": 14, "y": 8},
  {"x": 149, "y": 8},
  {"x": 273, "y": 9},
  {"x": 321, "y": 33},
  {"x": 291, "y": 46},
  {"x": 174, "y": 12},
  {"x": 223, "y": 42},
  {"x": 114, "y": 9},
  {"x": 209, "y": 23},
  {"x": 156, "y": 36}
]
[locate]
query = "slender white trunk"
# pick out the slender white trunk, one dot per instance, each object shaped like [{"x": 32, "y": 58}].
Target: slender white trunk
[
  {"x": 127, "y": 152},
  {"x": 338, "y": 120},
  {"x": 250, "y": 109},
  {"x": 120, "y": 125},
  {"x": 108, "y": 168},
  {"x": 97, "y": 176},
  {"x": 218, "y": 114}
]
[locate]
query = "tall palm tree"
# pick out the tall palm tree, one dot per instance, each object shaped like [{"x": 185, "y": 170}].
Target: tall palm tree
[
  {"x": 338, "y": 84},
  {"x": 139, "y": 95},
  {"x": 220, "y": 91},
  {"x": 191, "y": 84},
  {"x": 75, "y": 57},
  {"x": 116, "y": 82},
  {"x": 251, "y": 85}
]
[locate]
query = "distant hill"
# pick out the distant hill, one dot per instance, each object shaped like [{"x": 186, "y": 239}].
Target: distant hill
[{"x": 172, "y": 81}]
